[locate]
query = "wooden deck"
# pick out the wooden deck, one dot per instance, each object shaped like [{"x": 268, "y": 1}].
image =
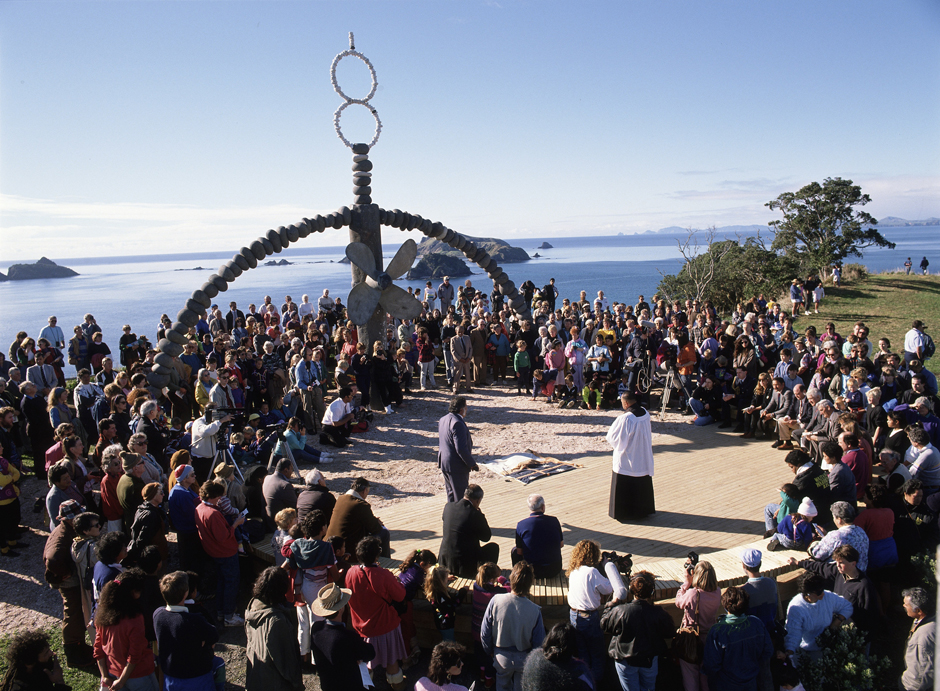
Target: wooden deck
[{"x": 711, "y": 488}]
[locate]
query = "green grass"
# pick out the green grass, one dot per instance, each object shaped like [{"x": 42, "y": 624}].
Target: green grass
[
  {"x": 78, "y": 680},
  {"x": 887, "y": 303}
]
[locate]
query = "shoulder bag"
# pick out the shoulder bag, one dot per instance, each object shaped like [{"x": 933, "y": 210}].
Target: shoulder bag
[{"x": 687, "y": 643}]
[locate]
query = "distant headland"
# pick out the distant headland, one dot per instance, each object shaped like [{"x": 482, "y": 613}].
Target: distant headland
[{"x": 44, "y": 268}]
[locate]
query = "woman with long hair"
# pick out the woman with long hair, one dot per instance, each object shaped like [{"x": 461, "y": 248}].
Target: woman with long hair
[
  {"x": 57, "y": 405},
  {"x": 587, "y": 588},
  {"x": 122, "y": 651},
  {"x": 699, "y": 598},
  {"x": 760, "y": 398},
  {"x": 446, "y": 663},
  {"x": 272, "y": 650}
]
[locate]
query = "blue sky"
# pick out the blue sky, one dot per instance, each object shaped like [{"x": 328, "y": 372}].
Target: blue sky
[{"x": 138, "y": 127}]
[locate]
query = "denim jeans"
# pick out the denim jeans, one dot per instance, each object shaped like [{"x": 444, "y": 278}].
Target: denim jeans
[
  {"x": 148, "y": 683},
  {"x": 590, "y": 638},
  {"x": 770, "y": 516},
  {"x": 637, "y": 678},
  {"x": 227, "y": 589},
  {"x": 704, "y": 417}
]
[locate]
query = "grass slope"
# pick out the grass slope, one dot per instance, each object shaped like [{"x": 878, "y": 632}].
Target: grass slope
[{"x": 887, "y": 303}]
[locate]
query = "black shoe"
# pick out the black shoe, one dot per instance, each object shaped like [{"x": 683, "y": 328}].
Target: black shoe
[
  {"x": 724, "y": 425},
  {"x": 776, "y": 444},
  {"x": 79, "y": 655},
  {"x": 769, "y": 533},
  {"x": 739, "y": 429},
  {"x": 10, "y": 553}
]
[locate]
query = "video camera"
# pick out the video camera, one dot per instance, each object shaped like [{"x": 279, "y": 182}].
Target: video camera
[
  {"x": 213, "y": 414},
  {"x": 623, "y": 563}
]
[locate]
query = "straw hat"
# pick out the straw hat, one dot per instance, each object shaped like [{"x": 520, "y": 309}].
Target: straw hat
[
  {"x": 224, "y": 470},
  {"x": 330, "y": 600}
]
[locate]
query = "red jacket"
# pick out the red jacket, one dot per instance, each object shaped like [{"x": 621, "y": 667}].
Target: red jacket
[
  {"x": 216, "y": 535},
  {"x": 123, "y": 643},
  {"x": 110, "y": 504},
  {"x": 373, "y": 588}
]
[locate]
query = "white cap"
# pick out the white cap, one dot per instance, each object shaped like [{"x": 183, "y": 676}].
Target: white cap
[{"x": 807, "y": 507}]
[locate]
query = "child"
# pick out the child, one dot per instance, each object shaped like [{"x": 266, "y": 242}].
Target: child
[
  {"x": 706, "y": 364},
  {"x": 315, "y": 563},
  {"x": 523, "y": 366},
  {"x": 88, "y": 527},
  {"x": 444, "y": 600},
  {"x": 411, "y": 574},
  {"x": 342, "y": 563},
  {"x": 796, "y": 530},
  {"x": 568, "y": 394},
  {"x": 285, "y": 520},
  {"x": 240, "y": 448},
  {"x": 543, "y": 384},
  {"x": 853, "y": 397},
  {"x": 230, "y": 512},
  {"x": 488, "y": 583},
  {"x": 775, "y": 513},
  {"x": 591, "y": 395},
  {"x": 193, "y": 598},
  {"x": 405, "y": 368}
]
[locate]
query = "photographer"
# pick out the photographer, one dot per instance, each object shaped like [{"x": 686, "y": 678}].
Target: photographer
[
  {"x": 205, "y": 430},
  {"x": 336, "y": 421}
]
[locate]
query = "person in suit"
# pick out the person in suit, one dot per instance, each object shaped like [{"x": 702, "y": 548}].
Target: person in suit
[
  {"x": 337, "y": 650},
  {"x": 780, "y": 406},
  {"x": 353, "y": 519},
  {"x": 455, "y": 452},
  {"x": 478, "y": 338},
  {"x": 233, "y": 315},
  {"x": 803, "y": 408},
  {"x": 461, "y": 350},
  {"x": 465, "y": 527}
]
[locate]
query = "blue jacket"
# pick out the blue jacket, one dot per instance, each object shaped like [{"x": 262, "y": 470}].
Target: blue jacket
[
  {"x": 182, "y": 509},
  {"x": 734, "y": 650}
]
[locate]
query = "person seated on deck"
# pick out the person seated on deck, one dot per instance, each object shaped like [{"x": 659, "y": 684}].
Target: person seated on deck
[
  {"x": 465, "y": 527},
  {"x": 539, "y": 540}
]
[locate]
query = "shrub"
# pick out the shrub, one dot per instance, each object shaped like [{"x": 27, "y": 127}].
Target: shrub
[
  {"x": 843, "y": 665},
  {"x": 854, "y": 272}
]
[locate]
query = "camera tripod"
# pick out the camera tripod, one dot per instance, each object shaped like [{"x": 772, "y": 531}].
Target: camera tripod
[
  {"x": 289, "y": 455},
  {"x": 668, "y": 386}
]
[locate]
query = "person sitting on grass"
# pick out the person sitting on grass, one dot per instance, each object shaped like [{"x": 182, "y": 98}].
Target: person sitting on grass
[
  {"x": 796, "y": 530},
  {"x": 31, "y": 664}
]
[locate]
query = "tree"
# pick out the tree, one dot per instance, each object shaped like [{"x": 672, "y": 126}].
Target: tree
[
  {"x": 821, "y": 226},
  {"x": 728, "y": 272}
]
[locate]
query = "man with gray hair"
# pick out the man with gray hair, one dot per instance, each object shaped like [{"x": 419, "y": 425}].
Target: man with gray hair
[
  {"x": 539, "y": 540},
  {"x": 794, "y": 421},
  {"x": 926, "y": 466},
  {"x": 919, "y": 656},
  {"x": 826, "y": 429},
  {"x": 897, "y": 472}
]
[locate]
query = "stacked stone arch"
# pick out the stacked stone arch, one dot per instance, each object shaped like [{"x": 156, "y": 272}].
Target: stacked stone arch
[{"x": 274, "y": 241}]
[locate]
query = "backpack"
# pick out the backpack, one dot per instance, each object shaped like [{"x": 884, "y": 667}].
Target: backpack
[{"x": 929, "y": 347}]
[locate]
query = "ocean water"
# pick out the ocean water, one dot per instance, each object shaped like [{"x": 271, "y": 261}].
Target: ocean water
[{"x": 137, "y": 290}]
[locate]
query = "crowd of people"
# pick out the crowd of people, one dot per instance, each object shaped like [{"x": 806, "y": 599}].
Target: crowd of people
[{"x": 215, "y": 457}]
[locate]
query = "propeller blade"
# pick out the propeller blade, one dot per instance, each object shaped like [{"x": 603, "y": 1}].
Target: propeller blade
[
  {"x": 398, "y": 303},
  {"x": 362, "y": 302},
  {"x": 403, "y": 259},
  {"x": 362, "y": 257}
]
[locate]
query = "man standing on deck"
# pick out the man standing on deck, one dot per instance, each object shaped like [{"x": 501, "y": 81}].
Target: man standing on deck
[
  {"x": 631, "y": 485},
  {"x": 455, "y": 453}
]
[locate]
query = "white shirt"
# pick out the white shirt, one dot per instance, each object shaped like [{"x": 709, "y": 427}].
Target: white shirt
[
  {"x": 203, "y": 444},
  {"x": 632, "y": 439},
  {"x": 913, "y": 340},
  {"x": 586, "y": 585},
  {"x": 325, "y": 303},
  {"x": 337, "y": 411},
  {"x": 305, "y": 309}
]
